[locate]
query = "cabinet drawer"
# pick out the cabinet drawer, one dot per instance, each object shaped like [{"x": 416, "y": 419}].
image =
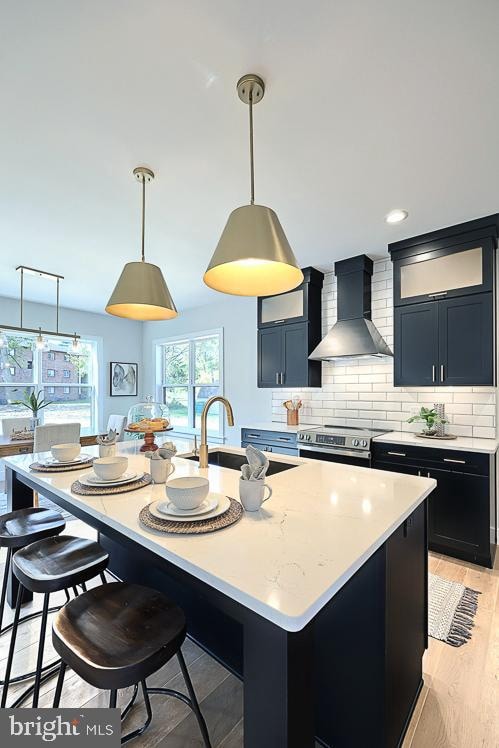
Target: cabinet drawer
[
  {"x": 275, "y": 449},
  {"x": 428, "y": 458},
  {"x": 279, "y": 438}
]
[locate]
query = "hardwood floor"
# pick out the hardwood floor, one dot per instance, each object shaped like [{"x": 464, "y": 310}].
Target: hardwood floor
[{"x": 458, "y": 708}]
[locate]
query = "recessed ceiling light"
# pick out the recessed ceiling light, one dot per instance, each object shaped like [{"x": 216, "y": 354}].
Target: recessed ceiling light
[{"x": 396, "y": 216}]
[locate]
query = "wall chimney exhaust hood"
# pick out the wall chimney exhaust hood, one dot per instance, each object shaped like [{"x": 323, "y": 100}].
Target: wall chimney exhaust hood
[{"x": 354, "y": 334}]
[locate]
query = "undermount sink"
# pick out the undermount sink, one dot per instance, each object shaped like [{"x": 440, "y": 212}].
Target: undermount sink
[{"x": 234, "y": 461}]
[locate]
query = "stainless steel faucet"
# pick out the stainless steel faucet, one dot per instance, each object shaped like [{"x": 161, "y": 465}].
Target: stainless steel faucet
[{"x": 203, "y": 447}]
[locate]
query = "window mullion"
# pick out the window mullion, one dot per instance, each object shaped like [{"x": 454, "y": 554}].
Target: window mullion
[{"x": 191, "y": 388}]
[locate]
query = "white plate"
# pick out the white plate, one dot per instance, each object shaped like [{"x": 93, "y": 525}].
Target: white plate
[
  {"x": 222, "y": 504},
  {"x": 169, "y": 509},
  {"x": 91, "y": 479},
  {"x": 51, "y": 461}
]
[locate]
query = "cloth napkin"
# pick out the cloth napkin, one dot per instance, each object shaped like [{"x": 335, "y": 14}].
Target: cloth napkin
[{"x": 257, "y": 465}]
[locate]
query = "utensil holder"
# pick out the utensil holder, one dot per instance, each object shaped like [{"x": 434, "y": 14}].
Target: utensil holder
[{"x": 292, "y": 417}]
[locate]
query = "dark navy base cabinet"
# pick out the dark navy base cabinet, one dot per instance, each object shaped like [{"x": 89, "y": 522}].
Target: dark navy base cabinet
[
  {"x": 270, "y": 441},
  {"x": 462, "y": 509}
]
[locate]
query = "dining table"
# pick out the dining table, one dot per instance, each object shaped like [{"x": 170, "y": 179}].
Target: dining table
[{"x": 287, "y": 598}]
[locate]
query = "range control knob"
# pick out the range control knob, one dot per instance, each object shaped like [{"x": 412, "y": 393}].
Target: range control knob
[
  {"x": 300, "y": 437},
  {"x": 308, "y": 437},
  {"x": 355, "y": 442},
  {"x": 364, "y": 443}
]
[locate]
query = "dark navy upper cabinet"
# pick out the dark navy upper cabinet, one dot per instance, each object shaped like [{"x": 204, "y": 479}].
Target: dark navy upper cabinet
[
  {"x": 466, "y": 350},
  {"x": 289, "y": 328},
  {"x": 443, "y": 296},
  {"x": 416, "y": 345}
]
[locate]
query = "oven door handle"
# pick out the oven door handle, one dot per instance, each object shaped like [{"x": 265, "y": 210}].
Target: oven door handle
[{"x": 340, "y": 452}]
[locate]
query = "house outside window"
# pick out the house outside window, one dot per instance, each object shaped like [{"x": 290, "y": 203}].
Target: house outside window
[
  {"x": 51, "y": 355},
  {"x": 12, "y": 371},
  {"x": 66, "y": 390},
  {"x": 66, "y": 373},
  {"x": 189, "y": 370},
  {"x": 51, "y": 372}
]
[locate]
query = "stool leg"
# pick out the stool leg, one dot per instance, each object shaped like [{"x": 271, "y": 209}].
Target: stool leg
[
  {"x": 13, "y": 637},
  {"x": 58, "y": 688},
  {"x": 41, "y": 647},
  {"x": 103, "y": 578},
  {"x": 113, "y": 698},
  {"x": 4, "y": 584},
  {"x": 141, "y": 730},
  {"x": 194, "y": 701}
]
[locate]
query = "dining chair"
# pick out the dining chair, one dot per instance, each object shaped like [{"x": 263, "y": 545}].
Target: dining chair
[
  {"x": 55, "y": 433},
  {"x": 117, "y": 423},
  {"x": 8, "y": 424}
]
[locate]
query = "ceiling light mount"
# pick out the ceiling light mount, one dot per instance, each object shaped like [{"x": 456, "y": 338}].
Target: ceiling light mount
[
  {"x": 250, "y": 88},
  {"x": 397, "y": 215},
  {"x": 143, "y": 174}
]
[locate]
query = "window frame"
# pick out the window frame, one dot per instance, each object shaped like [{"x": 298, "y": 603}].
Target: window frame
[
  {"x": 158, "y": 345},
  {"x": 96, "y": 386}
]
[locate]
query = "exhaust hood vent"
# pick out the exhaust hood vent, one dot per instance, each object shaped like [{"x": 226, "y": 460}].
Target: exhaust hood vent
[{"x": 354, "y": 334}]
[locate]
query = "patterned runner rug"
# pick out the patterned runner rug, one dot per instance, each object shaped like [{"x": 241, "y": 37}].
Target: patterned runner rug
[{"x": 452, "y": 609}]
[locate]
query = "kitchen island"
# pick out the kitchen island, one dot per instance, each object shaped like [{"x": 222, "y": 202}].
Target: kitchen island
[{"x": 318, "y": 602}]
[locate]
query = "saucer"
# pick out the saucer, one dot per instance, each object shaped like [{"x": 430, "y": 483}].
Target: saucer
[
  {"x": 52, "y": 462},
  {"x": 91, "y": 479},
  {"x": 169, "y": 508},
  {"x": 221, "y": 504}
]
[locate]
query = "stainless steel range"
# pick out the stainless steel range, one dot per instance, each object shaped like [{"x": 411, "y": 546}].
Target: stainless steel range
[{"x": 347, "y": 444}]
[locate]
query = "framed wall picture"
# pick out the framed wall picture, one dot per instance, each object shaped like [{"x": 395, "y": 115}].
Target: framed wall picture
[{"x": 123, "y": 379}]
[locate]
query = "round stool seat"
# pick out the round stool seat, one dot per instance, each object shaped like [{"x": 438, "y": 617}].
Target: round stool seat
[
  {"x": 118, "y": 634},
  {"x": 23, "y": 526},
  {"x": 59, "y": 562}
]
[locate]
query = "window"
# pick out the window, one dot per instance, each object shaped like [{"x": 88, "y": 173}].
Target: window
[
  {"x": 36, "y": 371},
  {"x": 189, "y": 372}
]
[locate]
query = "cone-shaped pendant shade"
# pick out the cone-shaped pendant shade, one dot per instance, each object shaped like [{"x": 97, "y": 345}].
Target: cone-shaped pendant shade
[
  {"x": 141, "y": 293},
  {"x": 253, "y": 256}
]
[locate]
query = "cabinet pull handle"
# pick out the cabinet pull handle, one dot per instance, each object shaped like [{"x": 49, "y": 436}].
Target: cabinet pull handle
[
  {"x": 277, "y": 377},
  {"x": 419, "y": 473},
  {"x": 460, "y": 462},
  {"x": 436, "y": 295},
  {"x": 282, "y": 378},
  {"x": 283, "y": 439},
  {"x": 433, "y": 373},
  {"x": 428, "y": 474},
  {"x": 253, "y": 436},
  {"x": 397, "y": 454},
  {"x": 278, "y": 321},
  {"x": 442, "y": 372}
]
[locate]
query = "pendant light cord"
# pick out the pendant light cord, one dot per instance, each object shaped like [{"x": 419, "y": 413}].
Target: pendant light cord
[
  {"x": 143, "y": 216},
  {"x": 252, "y": 164}
]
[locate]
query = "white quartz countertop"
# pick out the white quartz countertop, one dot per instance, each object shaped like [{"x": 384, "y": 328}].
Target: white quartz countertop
[
  {"x": 462, "y": 443},
  {"x": 276, "y": 426},
  {"x": 285, "y": 562}
]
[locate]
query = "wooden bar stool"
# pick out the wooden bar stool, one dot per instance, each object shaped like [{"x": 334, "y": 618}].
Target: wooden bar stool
[
  {"x": 17, "y": 530},
  {"x": 116, "y": 636},
  {"x": 46, "y": 566}
]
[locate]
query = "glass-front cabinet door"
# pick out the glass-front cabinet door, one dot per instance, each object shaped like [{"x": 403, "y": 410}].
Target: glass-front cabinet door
[
  {"x": 285, "y": 307},
  {"x": 441, "y": 273}
]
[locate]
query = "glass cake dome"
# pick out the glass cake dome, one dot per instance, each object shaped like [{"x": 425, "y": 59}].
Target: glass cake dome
[{"x": 148, "y": 416}]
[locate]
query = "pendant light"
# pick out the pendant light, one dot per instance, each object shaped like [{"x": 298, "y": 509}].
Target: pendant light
[
  {"x": 141, "y": 292},
  {"x": 253, "y": 256}
]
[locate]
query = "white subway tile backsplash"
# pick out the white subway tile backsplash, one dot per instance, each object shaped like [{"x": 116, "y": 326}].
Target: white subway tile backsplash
[{"x": 361, "y": 391}]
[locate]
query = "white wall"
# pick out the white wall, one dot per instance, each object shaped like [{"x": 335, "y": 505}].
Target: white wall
[
  {"x": 119, "y": 340},
  {"x": 361, "y": 392},
  {"x": 237, "y": 317}
]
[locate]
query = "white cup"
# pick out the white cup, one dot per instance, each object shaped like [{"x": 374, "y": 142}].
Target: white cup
[
  {"x": 107, "y": 450},
  {"x": 161, "y": 470},
  {"x": 252, "y": 493}
]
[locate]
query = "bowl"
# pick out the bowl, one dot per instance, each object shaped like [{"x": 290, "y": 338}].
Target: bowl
[
  {"x": 110, "y": 468},
  {"x": 65, "y": 452},
  {"x": 188, "y": 492}
]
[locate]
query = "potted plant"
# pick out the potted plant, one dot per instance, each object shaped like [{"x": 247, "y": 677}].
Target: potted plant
[
  {"x": 35, "y": 403},
  {"x": 431, "y": 418}
]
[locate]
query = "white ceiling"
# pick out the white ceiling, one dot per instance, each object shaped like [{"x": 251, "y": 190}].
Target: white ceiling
[{"x": 369, "y": 106}]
